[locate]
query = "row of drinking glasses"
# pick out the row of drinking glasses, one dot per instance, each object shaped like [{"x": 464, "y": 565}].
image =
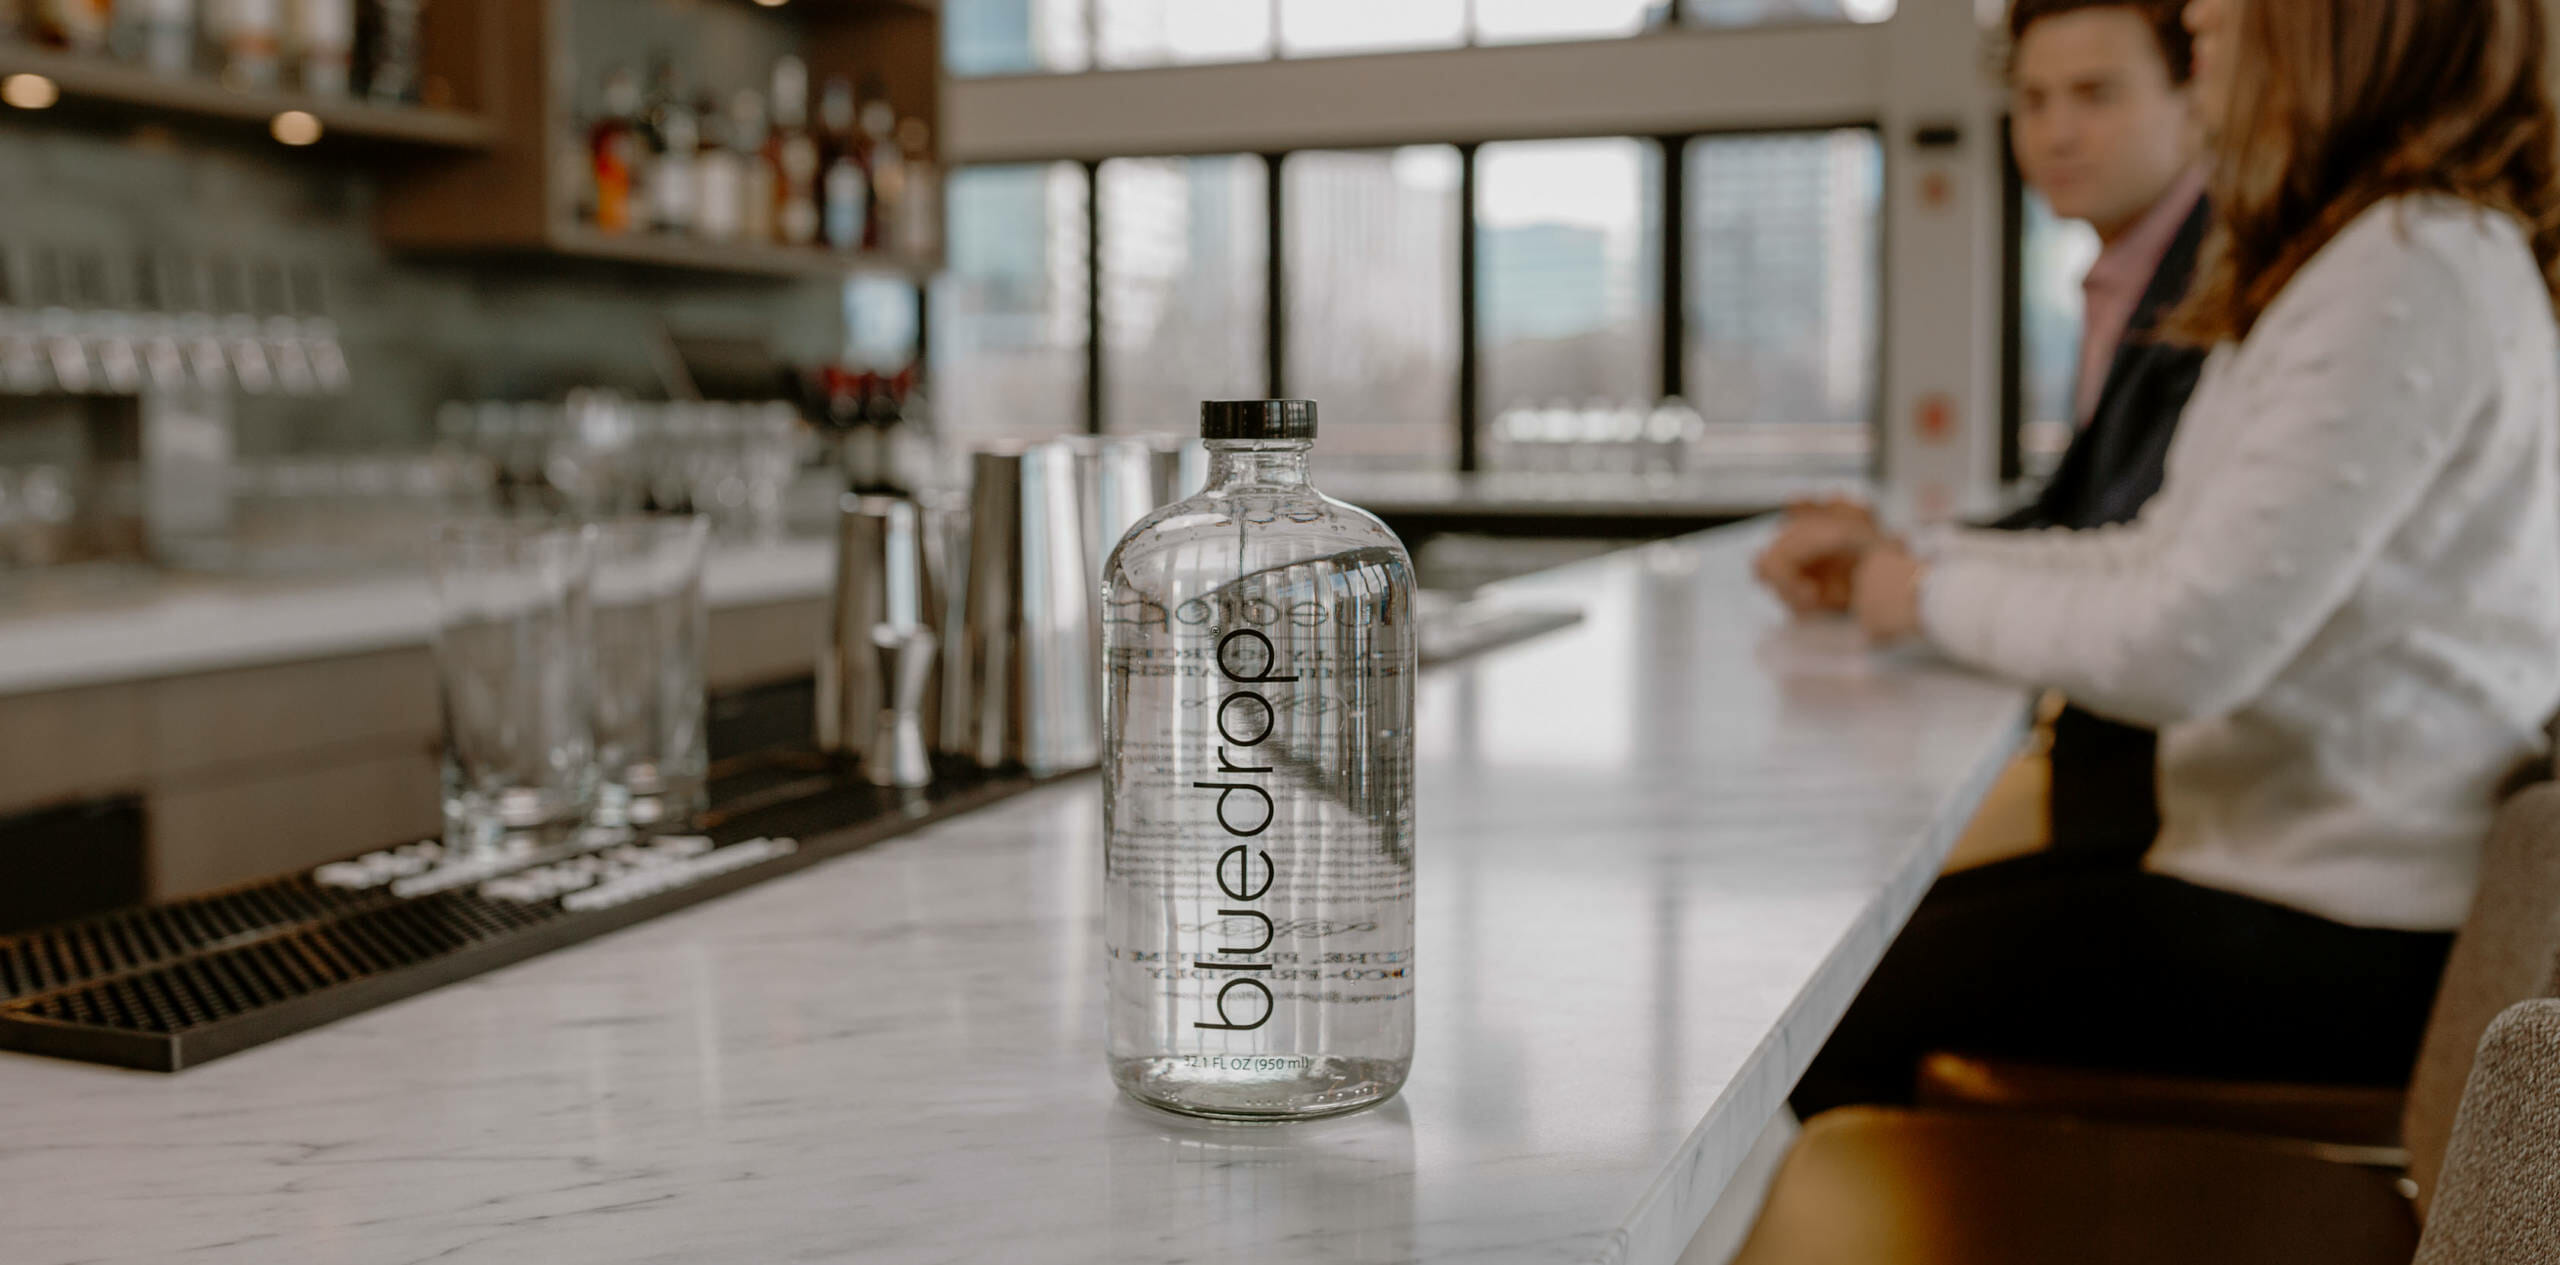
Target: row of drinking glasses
[
  {"x": 341, "y": 512},
  {"x": 71, "y": 325},
  {"x": 570, "y": 662},
  {"x": 599, "y": 454}
]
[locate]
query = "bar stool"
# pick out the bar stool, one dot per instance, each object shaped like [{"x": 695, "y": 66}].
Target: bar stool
[
  {"x": 2355, "y": 1121},
  {"x": 1879, "y": 1186}
]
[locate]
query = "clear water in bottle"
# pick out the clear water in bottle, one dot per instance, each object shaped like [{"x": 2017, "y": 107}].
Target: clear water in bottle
[{"x": 1258, "y": 643}]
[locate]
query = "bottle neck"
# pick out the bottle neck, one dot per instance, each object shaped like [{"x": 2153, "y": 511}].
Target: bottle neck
[{"x": 1265, "y": 463}]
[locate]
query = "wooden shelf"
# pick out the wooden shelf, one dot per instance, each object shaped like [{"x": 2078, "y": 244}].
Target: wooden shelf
[
  {"x": 512, "y": 59},
  {"x": 98, "y": 82},
  {"x": 749, "y": 259}
]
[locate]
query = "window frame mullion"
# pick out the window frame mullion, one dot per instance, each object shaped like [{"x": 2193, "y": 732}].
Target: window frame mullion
[
  {"x": 1275, "y": 283},
  {"x": 1093, "y": 348},
  {"x": 1671, "y": 296}
]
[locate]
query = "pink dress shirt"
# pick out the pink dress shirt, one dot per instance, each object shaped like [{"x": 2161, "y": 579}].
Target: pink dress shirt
[{"x": 2115, "y": 284}]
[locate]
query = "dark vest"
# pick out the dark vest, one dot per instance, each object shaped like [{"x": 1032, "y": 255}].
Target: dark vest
[{"x": 2104, "y": 785}]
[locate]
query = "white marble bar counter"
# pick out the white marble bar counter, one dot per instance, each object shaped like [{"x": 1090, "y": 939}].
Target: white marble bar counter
[
  {"x": 63, "y": 635},
  {"x": 1659, "y": 850}
]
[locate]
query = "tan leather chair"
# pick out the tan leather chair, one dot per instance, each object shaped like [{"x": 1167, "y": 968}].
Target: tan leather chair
[{"x": 1876, "y": 1186}]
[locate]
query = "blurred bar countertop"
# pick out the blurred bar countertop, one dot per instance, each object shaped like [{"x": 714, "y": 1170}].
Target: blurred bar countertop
[{"x": 87, "y": 626}]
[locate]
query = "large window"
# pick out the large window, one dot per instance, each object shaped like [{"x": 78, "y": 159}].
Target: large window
[
  {"x": 1185, "y": 253},
  {"x": 1003, "y": 37},
  {"x": 1012, "y": 37},
  {"x": 1766, "y": 12},
  {"x": 1567, "y": 271},
  {"x": 879, "y": 323},
  {"x": 1171, "y": 32},
  {"x": 1008, "y": 340},
  {"x": 1782, "y": 253},
  {"x": 1515, "y": 21},
  {"x": 1317, "y": 28},
  {"x": 1742, "y": 271},
  {"x": 1372, "y": 294}
]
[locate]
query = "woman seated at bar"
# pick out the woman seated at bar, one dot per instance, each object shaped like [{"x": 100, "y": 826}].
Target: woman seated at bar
[{"x": 2342, "y": 610}]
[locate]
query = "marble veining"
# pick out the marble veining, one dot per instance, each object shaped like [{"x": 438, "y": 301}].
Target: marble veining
[{"x": 1659, "y": 850}]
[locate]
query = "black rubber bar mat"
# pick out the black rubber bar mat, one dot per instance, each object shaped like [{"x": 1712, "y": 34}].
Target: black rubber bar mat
[{"x": 165, "y": 987}]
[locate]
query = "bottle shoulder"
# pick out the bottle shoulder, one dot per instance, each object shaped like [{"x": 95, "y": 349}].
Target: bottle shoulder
[{"x": 1257, "y": 528}]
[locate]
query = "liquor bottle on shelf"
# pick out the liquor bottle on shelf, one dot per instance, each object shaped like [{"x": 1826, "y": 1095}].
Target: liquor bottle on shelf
[
  {"x": 792, "y": 155},
  {"x": 250, "y": 35},
  {"x": 920, "y": 211},
  {"x": 78, "y": 26},
  {"x": 613, "y": 147},
  {"x": 162, "y": 33},
  {"x": 845, "y": 188},
  {"x": 387, "y": 50},
  {"x": 887, "y": 169},
  {"x": 747, "y": 134},
  {"x": 673, "y": 139},
  {"x": 124, "y": 30},
  {"x": 718, "y": 178},
  {"x": 324, "y": 45}
]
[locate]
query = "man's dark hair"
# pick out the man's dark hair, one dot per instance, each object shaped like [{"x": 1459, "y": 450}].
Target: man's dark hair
[{"x": 2166, "y": 18}]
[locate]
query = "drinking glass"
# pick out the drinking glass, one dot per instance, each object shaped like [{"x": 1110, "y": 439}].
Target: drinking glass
[
  {"x": 648, "y": 636},
  {"x": 513, "y": 679},
  {"x": 769, "y": 454}
]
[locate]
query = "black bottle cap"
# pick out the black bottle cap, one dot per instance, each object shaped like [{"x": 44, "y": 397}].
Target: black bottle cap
[{"x": 1257, "y": 419}]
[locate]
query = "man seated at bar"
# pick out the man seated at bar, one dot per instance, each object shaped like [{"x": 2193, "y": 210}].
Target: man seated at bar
[
  {"x": 2102, "y": 118},
  {"x": 2341, "y": 611}
]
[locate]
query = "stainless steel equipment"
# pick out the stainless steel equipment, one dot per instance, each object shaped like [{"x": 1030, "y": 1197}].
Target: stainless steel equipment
[
  {"x": 1023, "y": 665},
  {"x": 883, "y": 579},
  {"x": 896, "y": 755},
  {"x": 1115, "y": 487},
  {"x": 1177, "y": 466}
]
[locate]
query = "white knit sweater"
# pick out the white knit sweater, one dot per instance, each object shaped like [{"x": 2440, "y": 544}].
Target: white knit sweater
[{"x": 2342, "y": 610}]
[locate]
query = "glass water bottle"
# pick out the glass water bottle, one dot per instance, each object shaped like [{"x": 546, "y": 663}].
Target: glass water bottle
[{"x": 1258, "y": 643}]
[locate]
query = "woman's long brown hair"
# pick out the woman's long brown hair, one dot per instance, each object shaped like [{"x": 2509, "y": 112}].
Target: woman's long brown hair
[{"x": 2336, "y": 105}]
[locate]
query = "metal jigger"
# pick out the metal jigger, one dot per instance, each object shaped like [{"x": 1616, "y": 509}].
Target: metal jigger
[
  {"x": 896, "y": 755},
  {"x": 883, "y": 577}
]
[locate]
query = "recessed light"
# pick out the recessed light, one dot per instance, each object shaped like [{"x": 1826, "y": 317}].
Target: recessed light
[
  {"x": 29, "y": 92},
  {"x": 295, "y": 127},
  {"x": 770, "y": 4}
]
